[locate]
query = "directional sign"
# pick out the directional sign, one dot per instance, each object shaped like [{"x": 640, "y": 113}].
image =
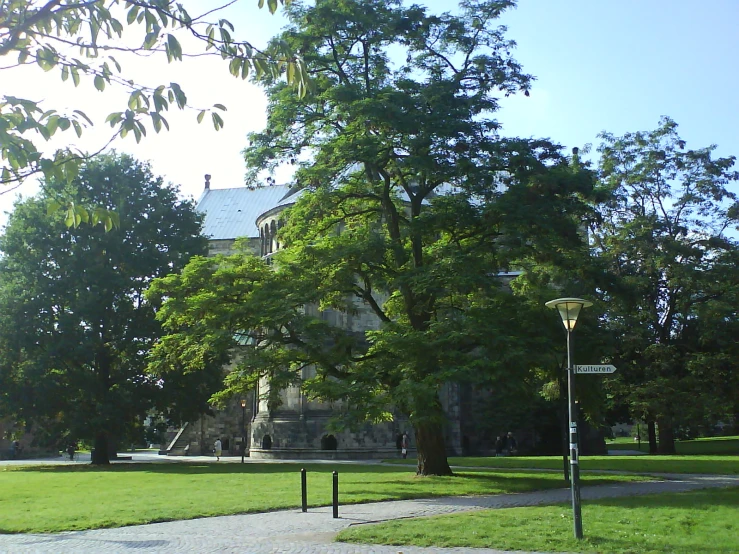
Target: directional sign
[{"x": 606, "y": 368}]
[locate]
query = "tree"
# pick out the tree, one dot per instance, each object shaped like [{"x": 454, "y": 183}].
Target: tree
[
  {"x": 412, "y": 206},
  {"x": 672, "y": 285},
  {"x": 75, "y": 327},
  {"x": 80, "y": 39}
]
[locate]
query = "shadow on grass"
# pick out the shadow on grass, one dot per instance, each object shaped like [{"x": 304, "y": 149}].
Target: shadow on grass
[{"x": 194, "y": 468}]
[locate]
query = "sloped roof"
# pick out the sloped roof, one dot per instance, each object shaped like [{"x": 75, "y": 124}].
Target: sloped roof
[{"x": 232, "y": 213}]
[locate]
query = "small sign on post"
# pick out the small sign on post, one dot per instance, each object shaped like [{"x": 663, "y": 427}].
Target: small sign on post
[{"x": 602, "y": 368}]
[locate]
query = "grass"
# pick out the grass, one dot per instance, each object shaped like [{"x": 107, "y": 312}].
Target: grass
[
  {"x": 706, "y": 445},
  {"x": 705, "y": 521},
  {"x": 725, "y": 465},
  {"x": 58, "y": 498}
]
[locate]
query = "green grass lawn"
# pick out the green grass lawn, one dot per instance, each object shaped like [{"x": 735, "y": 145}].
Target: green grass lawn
[
  {"x": 726, "y": 465},
  {"x": 695, "y": 522},
  {"x": 57, "y": 498},
  {"x": 706, "y": 445}
]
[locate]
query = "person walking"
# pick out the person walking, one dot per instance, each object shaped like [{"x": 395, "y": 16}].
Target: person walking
[
  {"x": 404, "y": 445},
  {"x": 218, "y": 449},
  {"x": 511, "y": 444}
]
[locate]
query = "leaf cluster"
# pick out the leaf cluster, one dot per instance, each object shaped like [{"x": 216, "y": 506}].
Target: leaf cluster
[
  {"x": 81, "y": 39},
  {"x": 75, "y": 326}
]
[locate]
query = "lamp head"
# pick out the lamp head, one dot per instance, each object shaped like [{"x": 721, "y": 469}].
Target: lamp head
[
  {"x": 569, "y": 309},
  {"x": 243, "y": 403}
]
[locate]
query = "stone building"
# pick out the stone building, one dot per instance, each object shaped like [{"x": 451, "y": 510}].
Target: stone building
[{"x": 298, "y": 428}]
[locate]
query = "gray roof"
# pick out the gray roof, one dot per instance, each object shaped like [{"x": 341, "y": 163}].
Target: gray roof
[{"x": 232, "y": 213}]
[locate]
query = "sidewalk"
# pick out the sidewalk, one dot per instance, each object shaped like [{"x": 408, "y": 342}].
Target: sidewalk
[{"x": 293, "y": 532}]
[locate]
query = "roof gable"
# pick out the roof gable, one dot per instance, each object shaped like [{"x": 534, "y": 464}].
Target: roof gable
[{"x": 232, "y": 213}]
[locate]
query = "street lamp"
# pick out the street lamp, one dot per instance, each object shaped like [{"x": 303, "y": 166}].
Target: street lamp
[
  {"x": 569, "y": 309},
  {"x": 243, "y": 429}
]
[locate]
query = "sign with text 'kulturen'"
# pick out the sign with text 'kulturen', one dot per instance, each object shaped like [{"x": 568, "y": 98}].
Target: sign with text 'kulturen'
[{"x": 601, "y": 368}]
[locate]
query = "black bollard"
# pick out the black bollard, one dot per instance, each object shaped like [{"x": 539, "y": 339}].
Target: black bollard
[
  {"x": 336, "y": 495},
  {"x": 304, "y": 489}
]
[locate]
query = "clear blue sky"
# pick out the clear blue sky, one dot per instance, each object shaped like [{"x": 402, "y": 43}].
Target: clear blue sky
[
  {"x": 620, "y": 65},
  {"x": 600, "y": 65}
]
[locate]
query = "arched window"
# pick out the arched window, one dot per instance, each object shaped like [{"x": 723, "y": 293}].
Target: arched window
[
  {"x": 267, "y": 240},
  {"x": 273, "y": 233},
  {"x": 329, "y": 442}
]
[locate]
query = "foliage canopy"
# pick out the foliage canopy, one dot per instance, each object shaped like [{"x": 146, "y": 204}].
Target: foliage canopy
[
  {"x": 412, "y": 206},
  {"x": 74, "y": 325}
]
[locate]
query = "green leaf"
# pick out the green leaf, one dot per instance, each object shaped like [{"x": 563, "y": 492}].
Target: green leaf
[
  {"x": 116, "y": 26},
  {"x": 99, "y": 83},
  {"x": 75, "y": 75},
  {"x": 132, "y": 13},
  {"x": 52, "y": 207},
  {"x": 70, "y": 170},
  {"x": 174, "y": 49},
  {"x": 82, "y": 215},
  {"x": 234, "y": 66},
  {"x": 201, "y": 115},
  {"x": 52, "y": 124},
  {"x": 220, "y": 107},
  {"x": 217, "y": 121},
  {"x": 114, "y": 219},
  {"x": 83, "y": 115}
]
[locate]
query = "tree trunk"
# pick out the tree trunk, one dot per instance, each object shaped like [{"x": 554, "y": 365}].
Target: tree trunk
[
  {"x": 652, "y": 432},
  {"x": 431, "y": 450},
  {"x": 666, "y": 437},
  {"x": 100, "y": 455}
]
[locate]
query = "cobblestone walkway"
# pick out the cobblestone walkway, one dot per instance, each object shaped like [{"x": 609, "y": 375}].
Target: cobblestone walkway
[{"x": 293, "y": 532}]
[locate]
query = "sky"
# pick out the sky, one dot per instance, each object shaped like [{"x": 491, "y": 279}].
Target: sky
[{"x": 599, "y": 66}]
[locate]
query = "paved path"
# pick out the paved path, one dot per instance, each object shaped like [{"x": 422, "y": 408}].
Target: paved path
[{"x": 293, "y": 532}]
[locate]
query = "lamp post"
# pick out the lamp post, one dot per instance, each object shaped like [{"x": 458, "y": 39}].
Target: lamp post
[
  {"x": 243, "y": 429},
  {"x": 569, "y": 309}
]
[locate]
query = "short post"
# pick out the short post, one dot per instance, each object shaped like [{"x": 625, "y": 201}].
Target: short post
[
  {"x": 336, "y": 494},
  {"x": 304, "y": 490},
  {"x": 243, "y": 430}
]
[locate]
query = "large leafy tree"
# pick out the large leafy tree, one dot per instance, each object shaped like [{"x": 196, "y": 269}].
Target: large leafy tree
[
  {"x": 75, "y": 327},
  {"x": 412, "y": 205},
  {"x": 87, "y": 41},
  {"x": 666, "y": 243}
]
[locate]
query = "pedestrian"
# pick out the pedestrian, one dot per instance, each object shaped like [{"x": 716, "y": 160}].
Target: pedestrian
[
  {"x": 404, "y": 445},
  {"x": 511, "y": 444},
  {"x": 13, "y": 448},
  {"x": 218, "y": 449},
  {"x": 71, "y": 450},
  {"x": 498, "y": 445}
]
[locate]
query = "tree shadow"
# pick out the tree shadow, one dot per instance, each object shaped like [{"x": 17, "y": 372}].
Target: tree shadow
[{"x": 195, "y": 468}]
